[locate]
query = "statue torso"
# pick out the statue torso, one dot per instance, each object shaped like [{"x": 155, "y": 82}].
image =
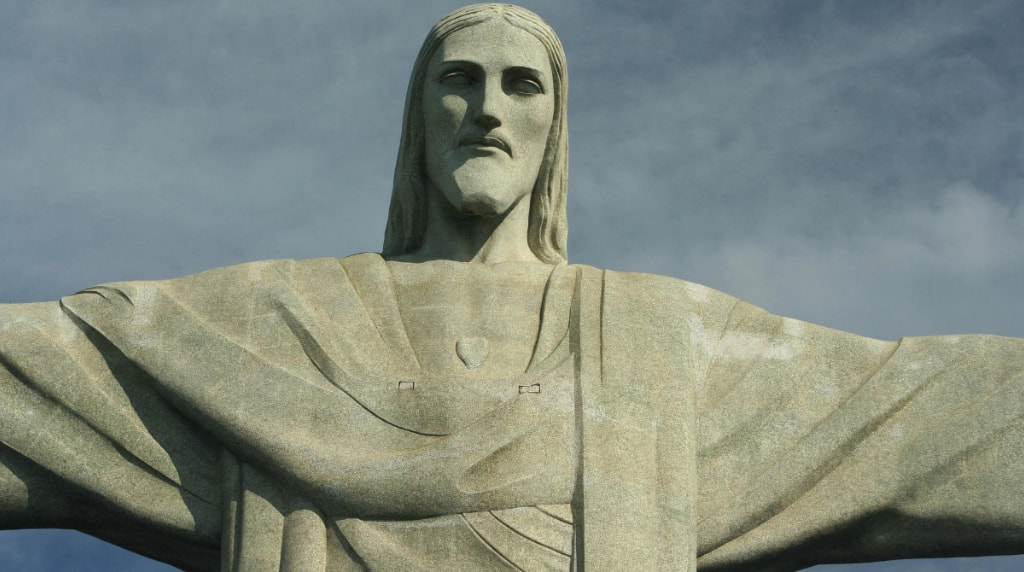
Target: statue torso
[
  {"x": 497, "y": 311},
  {"x": 494, "y": 310}
]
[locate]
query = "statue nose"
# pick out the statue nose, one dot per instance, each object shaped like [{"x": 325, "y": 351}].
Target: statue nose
[
  {"x": 489, "y": 116},
  {"x": 488, "y": 121}
]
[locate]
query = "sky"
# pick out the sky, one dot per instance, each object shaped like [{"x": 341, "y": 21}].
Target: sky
[{"x": 857, "y": 164}]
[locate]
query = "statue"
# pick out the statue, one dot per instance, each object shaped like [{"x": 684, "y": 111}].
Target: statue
[{"x": 470, "y": 401}]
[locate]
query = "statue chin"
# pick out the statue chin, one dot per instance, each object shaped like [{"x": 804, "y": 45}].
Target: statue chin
[
  {"x": 479, "y": 192},
  {"x": 480, "y": 202}
]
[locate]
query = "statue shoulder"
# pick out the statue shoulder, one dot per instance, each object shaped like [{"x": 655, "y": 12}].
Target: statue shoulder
[
  {"x": 238, "y": 278},
  {"x": 655, "y": 289},
  {"x": 216, "y": 294}
]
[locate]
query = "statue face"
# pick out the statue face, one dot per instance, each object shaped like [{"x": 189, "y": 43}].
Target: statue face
[{"x": 488, "y": 104}]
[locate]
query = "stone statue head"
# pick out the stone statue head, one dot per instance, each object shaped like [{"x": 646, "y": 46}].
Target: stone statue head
[{"x": 548, "y": 225}]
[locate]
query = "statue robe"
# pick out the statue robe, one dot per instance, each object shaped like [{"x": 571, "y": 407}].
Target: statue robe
[{"x": 270, "y": 416}]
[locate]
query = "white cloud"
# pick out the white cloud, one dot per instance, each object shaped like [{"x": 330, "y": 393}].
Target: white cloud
[{"x": 925, "y": 267}]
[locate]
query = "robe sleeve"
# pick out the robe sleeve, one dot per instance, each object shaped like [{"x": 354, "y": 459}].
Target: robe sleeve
[
  {"x": 86, "y": 443},
  {"x": 819, "y": 446}
]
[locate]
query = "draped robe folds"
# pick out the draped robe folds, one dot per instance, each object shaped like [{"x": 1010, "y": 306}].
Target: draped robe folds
[{"x": 271, "y": 416}]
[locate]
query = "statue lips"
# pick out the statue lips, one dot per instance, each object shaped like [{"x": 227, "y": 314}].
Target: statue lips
[{"x": 487, "y": 141}]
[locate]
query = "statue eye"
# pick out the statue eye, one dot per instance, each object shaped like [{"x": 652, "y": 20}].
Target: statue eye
[
  {"x": 525, "y": 86},
  {"x": 456, "y": 78}
]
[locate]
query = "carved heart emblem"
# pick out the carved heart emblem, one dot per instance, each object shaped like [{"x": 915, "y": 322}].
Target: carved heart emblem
[{"x": 472, "y": 351}]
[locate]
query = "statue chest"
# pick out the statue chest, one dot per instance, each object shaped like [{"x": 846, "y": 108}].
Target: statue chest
[{"x": 465, "y": 323}]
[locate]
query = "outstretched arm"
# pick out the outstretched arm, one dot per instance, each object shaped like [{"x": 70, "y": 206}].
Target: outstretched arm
[
  {"x": 820, "y": 446},
  {"x": 85, "y": 443}
]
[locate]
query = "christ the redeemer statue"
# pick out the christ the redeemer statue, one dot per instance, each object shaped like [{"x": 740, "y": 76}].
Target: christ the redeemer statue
[{"x": 467, "y": 400}]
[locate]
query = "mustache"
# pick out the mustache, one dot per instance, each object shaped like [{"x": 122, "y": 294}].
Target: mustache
[{"x": 488, "y": 141}]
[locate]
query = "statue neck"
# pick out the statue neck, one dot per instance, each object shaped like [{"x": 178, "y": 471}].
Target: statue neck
[{"x": 451, "y": 235}]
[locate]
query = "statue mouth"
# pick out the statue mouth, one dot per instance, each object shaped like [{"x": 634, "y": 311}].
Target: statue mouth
[{"x": 488, "y": 141}]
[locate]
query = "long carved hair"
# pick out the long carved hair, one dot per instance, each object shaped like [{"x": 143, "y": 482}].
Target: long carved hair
[{"x": 548, "y": 225}]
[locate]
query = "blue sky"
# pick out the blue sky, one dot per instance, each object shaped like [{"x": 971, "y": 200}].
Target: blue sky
[{"x": 855, "y": 164}]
